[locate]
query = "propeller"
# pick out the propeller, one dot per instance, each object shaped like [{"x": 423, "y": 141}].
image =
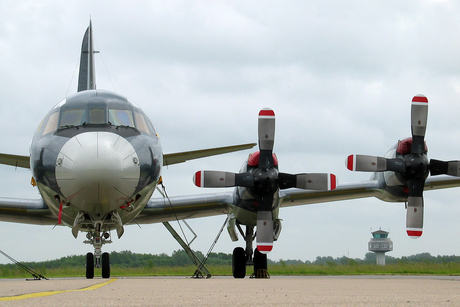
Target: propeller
[
  {"x": 264, "y": 180},
  {"x": 412, "y": 166}
]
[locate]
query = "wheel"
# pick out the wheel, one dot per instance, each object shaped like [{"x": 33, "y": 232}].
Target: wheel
[
  {"x": 260, "y": 263},
  {"x": 89, "y": 265},
  {"x": 105, "y": 265},
  {"x": 239, "y": 263}
]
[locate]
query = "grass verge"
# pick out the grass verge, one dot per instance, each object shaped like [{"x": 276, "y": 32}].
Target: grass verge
[{"x": 422, "y": 268}]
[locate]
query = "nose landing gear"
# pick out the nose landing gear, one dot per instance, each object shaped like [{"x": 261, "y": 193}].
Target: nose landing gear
[{"x": 98, "y": 259}]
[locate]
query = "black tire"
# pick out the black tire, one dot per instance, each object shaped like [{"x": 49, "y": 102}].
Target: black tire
[
  {"x": 260, "y": 261},
  {"x": 105, "y": 265},
  {"x": 89, "y": 266},
  {"x": 239, "y": 263}
]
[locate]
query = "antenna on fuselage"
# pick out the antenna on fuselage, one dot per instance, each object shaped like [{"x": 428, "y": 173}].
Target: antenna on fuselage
[{"x": 87, "y": 74}]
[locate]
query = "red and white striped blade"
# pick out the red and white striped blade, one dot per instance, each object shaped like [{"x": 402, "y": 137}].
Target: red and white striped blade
[
  {"x": 264, "y": 237},
  {"x": 316, "y": 181},
  {"x": 214, "y": 179},
  {"x": 363, "y": 163},
  {"x": 414, "y": 217},
  {"x": 266, "y": 129},
  {"x": 419, "y": 115}
]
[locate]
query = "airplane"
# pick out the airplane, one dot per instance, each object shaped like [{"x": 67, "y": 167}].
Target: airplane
[{"x": 96, "y": 160}]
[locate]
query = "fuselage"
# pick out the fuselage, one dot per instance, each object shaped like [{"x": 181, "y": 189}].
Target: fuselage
[{"x": 96, "y": 155}]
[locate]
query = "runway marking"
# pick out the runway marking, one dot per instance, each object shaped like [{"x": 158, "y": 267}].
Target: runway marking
[{"x": 49, "y": 293}]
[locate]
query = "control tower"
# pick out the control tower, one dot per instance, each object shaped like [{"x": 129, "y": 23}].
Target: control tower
[{"x": 380, "y": 244}]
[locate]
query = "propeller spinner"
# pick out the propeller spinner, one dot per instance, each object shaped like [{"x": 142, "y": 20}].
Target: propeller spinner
[
  {"x": 413, "y": 166},
  {"x": 265, "y": 180}
]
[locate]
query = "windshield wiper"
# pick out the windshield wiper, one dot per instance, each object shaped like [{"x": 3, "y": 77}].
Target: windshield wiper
[
  {"x": 67, "y": 127},
  {"x": 71, "y": 126}
]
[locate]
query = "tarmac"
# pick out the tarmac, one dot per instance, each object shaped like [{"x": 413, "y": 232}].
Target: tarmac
[{"x": 226, "y": 291}]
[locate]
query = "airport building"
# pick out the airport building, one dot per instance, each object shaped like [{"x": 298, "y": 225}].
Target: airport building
[{"x": 380, "y": 244}]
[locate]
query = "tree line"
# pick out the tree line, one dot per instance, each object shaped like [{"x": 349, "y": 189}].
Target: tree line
[
  {"x": 370, "y": 258},
  {"x": 128, "y": 259}
]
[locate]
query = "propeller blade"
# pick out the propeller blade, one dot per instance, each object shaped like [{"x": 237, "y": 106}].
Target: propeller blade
[
  {"x": 218, "y": 179},
  {"x": 214, "y": 179},
  {"x": 419, "y": 115},
  {"x": 414, "y": 217},
  {"x": 438, "y": 167},
  {"x": 266, "y": 137},
  {"x": 363, "y": 163},
  {"x": 313, "y": 181},
  {"x": 416, "y": 186},
  {"x": 264, "y": 236}
]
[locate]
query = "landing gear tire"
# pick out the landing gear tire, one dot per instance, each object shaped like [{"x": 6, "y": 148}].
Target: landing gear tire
[
  {"x": 105, "y": 265},
  {"x": 260, "y": 264},
  {"x": 239, "y": 263},
  {"x": 89, "y": 266}
]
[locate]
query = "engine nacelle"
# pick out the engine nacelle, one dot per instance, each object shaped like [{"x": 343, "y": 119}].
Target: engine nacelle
[{"x": 394, "y": 183}]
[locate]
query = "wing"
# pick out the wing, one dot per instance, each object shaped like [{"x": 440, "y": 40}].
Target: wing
[
  {"x": 296, "y": 197},
  {"x": 14, "y": 160},
  {"x": 160, "y": 210},
  {"x": 174, "y": 158},
  {"x": 371, "y": 188},
  {"x": 26, "y": 211},
  {"x": 441, "y": 182}
]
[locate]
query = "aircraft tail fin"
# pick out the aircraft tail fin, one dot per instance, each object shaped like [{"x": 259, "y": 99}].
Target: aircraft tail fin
[{"x": 87, "y": 74}]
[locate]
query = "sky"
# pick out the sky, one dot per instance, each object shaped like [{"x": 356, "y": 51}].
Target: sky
[{"x": 340, "y": 76}]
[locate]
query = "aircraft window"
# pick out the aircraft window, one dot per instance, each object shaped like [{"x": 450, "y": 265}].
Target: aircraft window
[
  {"x": 141, "y": 123},
  {"x": 120, "y": 117},
  {"x": 97, "y": 116},
  {"x": 51, "y": 124},
  {"x": 74, "y": 117}
]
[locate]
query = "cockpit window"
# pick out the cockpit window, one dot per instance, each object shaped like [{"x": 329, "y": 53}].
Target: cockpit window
[
  {"x": 51, "y": 124},
  {"x": 142, "y": 123},
  {"x": 97, "y": 116},
  {"x": 119, "y": 117},
  {"x": 73, "y": 117}
]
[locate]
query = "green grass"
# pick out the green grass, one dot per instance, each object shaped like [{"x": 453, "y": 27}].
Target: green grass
[
  {"x": 421, "y": 268},
  {"x": 368, "y": 269}
]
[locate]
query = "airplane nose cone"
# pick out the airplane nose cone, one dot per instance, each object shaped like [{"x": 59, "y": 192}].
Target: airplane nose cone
[{"x": 97, "y": 171}]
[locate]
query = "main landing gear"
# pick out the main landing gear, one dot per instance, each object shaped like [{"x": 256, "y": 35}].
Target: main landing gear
[{"x": 247, "y": 257}]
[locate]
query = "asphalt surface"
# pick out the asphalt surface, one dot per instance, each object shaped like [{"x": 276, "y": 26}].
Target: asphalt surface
[{"x": 226, "y": 291}]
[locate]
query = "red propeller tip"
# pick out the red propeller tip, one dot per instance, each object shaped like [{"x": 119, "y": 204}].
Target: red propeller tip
[
  {"x": 420, "y": 98},
  {"x": 266, "y": 112},
  {"x": 265, "y": 248},
  {"x": 333, "y": 183},
  {"x": 414, "y": 233},
  {"x": 197, "y": 179},
  {"x": 350, "y": 162}
]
